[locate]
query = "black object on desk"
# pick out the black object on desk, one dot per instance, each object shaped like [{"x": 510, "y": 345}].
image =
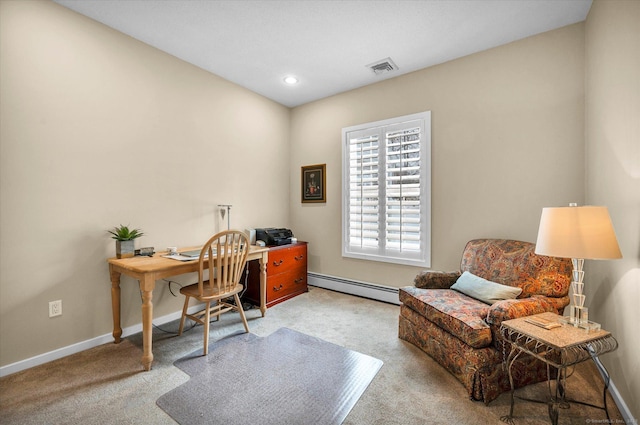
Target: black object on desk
[{"x": 273, "y": 236}]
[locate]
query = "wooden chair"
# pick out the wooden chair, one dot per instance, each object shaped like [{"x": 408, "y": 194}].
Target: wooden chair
[{"x": 230, "y": 248}]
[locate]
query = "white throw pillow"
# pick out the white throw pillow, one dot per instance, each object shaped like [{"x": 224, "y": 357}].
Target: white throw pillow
[{"x": 483, "y": 289}]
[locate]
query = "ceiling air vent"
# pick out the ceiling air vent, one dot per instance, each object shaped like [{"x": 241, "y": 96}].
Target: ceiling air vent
[{"x": 383, "y": 66}]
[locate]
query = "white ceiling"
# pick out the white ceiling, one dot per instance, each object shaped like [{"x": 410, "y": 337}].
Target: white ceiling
[{"x": 326, "y": 44}]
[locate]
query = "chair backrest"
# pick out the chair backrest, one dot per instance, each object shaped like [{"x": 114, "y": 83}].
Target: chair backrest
[
  {"x": 230, "y": 248},
  {"x": 515, "y": 263}
]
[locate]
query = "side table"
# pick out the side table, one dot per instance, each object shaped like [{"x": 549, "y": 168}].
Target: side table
[{"x": 559, "y": 347}]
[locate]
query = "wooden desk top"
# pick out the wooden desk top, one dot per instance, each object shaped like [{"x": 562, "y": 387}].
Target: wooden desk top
[{"x": 158, "y": 263}]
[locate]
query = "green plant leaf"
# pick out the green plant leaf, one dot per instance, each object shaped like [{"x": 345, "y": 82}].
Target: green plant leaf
[{"x": 123, "y": 233}]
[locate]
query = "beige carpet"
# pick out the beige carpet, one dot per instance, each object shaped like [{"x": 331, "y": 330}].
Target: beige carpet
[{"x": 105, "y": 385}]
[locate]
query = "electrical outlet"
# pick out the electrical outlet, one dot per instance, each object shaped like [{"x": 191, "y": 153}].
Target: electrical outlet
[{"x": 55, "y": 308}]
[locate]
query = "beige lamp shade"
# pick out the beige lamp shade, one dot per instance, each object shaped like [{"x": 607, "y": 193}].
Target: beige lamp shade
[{"x": 577, "y": 232}]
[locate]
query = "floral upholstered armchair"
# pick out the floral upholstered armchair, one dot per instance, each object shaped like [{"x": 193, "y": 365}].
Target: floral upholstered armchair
[{"x": 455, "y": 317}]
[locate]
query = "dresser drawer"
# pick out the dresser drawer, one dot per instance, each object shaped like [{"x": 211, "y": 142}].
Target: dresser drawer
[
  {"x": 287, "y": 283},
  {"x": 282, "y": 260}
]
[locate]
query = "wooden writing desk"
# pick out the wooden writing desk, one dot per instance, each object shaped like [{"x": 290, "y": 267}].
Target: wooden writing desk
[{"x": 149, "y": 269}]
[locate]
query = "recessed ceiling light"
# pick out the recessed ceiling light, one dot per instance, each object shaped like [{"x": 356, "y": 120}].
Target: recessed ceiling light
[{"x": 290, "y": 79}]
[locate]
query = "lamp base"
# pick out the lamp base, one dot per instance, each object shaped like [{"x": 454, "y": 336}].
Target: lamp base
[
  {"x": 577, "y": 311},
  {"x": 578, "y": 315},
  {"x": 588, "y": 326}
]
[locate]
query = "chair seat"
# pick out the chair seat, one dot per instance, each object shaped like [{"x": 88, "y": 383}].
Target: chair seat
[
  {"x": 458, "y": 314},
  {"x": 210, "y": 291}
]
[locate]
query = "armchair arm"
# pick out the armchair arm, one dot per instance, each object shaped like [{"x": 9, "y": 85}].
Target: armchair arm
[
  {"x": 435, "y": 279},
  {"x": 512, "y": 309}
]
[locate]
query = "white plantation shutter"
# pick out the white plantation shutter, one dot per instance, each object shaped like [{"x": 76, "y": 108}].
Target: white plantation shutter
[
  {"x": 403, "y": 189},
  {"x": 386, "y": 207},
  {"x": 364, "y": 191}
]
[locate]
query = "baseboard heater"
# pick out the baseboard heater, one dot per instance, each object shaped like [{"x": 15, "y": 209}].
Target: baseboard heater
[{"x": 373, "y": 291}]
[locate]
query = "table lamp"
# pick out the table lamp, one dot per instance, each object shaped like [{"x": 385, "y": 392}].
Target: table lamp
[{"x": 578, "y": 233}]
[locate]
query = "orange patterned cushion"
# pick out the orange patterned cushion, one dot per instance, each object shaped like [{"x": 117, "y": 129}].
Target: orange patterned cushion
[
  {"x": 458, "y": 314},
  {"x": 515, "y": 263}
]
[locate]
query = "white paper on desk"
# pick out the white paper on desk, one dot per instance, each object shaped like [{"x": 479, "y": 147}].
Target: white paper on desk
[{"x": 182, "y": 257}]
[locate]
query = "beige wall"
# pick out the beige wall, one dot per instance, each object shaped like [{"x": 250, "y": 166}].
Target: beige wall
[
  {"x": 507, "y": 140},
  {"x": 613, "y": 179},
  {"x": 99, "y": 129}
]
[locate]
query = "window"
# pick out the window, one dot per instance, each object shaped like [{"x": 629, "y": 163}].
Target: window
[{"x": 386, "y": 205}]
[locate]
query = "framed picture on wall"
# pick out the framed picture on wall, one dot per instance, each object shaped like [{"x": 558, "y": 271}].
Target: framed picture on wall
[{"x": 314, "y": 183}]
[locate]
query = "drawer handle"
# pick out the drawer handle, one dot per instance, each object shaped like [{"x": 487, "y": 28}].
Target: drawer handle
[
  {"x": 277, "y": 264},
  {"x": 277, "y": 289},
  {"x": 299, "y": 258},
  {"x": 299, "y": 280}
]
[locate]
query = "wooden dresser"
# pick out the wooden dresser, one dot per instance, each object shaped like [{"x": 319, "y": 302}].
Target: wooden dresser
[{"x": 286, "y": 274}]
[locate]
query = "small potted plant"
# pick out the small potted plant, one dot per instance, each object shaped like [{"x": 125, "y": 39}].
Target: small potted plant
[{"x": 124, "y": 240}]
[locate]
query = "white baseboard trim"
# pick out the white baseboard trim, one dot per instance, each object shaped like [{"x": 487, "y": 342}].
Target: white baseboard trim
[
  {"x": 85, "y": 345},
  {"x": 362, "y": 289},
  {"x": 615, "y": 394},
  {"x": 373, "y": 291}
]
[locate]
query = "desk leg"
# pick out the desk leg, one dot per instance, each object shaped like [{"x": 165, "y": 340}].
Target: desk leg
[
  {"x": 115, "y": 304},
  {"x": 263, "y": 282},
  {"x": 146, "y": 286}
]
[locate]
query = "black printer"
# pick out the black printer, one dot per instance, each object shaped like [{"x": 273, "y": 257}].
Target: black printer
[{"x": 273, "y": 236}]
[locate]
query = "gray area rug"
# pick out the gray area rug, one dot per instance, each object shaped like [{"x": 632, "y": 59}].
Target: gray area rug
[{"x": 285, "y": 378}]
